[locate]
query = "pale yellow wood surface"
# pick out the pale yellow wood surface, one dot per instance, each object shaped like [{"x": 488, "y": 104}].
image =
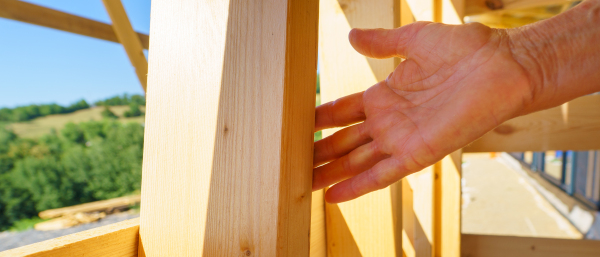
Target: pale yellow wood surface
[
  {"x": 364, "y": 226},
  {"x": 547, "y": 130},
  {"x": 423, "y": 10},
  {"x": 501, "y": 246},
  {"x": 473, "y": 7},
  {"x": 46, "y": 17},
  {"x": 318, "y": 236},
  {"x": 229, "y": 128},
  {"x": 119, "y": 239},
  {"x": 93, "y": 206},
  {"x": 418, "y": 218},
  {"x": 128, "y": 38},
  {"x": 447, "y": 225}
]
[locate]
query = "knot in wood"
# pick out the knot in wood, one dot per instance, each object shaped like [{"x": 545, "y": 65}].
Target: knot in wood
[
  {"x": 494, "y": 4},
  {"x": 504, "y": 129}
]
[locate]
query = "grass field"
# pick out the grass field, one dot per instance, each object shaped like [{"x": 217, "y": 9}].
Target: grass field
[{"x": 43, "y": 125}]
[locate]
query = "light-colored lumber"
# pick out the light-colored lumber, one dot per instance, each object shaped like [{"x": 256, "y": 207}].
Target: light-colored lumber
[
  {"x": 227, "y": 167},
  {"x": 46, "y": 17},
  {"x": 547, "y": 130},
  {"x": 104, "y": 205},
  {"x": 318, "y": 236},
  {"x": 119, "y": 240},
  {"x": 446, "y": 11},
  {"x": 447, "y": 224},
  {"x": 473, "y": 7},
  {"x": 418, "y": 217},
  {"x": 68, "y": 221},
  {"x": 422, "y": 10},
  {"x": 364, "y": 226},
  {"x": 500, "y": 246},
  {"x": 128, "y": 38}
]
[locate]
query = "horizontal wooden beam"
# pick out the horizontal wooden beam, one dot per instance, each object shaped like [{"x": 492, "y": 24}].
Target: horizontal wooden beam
[
  {"x": 46, "y": 17},
  {"x": 93, "y": 206},
  {"x": 473, "y": 7},
  {"x": 500, "y": 246},
  {"x": 119, "y": 239},
  {"x": 573, "y": 126}
]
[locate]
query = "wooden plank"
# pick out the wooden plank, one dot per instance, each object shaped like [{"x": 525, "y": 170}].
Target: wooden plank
[
  {"x": 492, "y": 246},
  {"x": 547, "y": 130},
  {"x": 119, "y": 239},
  {"x": 103, "y": 205},
  {"x": 364, "y": 226},
  {"x": 229, "y": 128},
  {"x": 128, "y": 38},
  {"x": 473, "y": 7},
  {"x": 447, "y": 225},
  {"x": 318, "y": 235},
  {"x": 422, "y": 10},
  {"x": 421, "y": 186},
  {"x": 46, "y": 17}
]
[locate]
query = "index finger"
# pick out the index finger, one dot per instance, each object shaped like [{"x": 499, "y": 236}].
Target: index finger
[{"x": 341, "y": 112}]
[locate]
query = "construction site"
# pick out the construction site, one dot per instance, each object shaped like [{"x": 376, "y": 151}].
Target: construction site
[{"x": 235, "y": 180}]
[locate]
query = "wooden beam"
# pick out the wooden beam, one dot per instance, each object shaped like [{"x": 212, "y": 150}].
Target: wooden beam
[
  {"x": 366, "y": 226},
  {"x": 576, "y": 129},
  {"x": 46, "y": 17},
  {"x": 473, "y": 7},
  {"x": 128, "y": 38},
  {"x": 318, "y": 236},
  {"x": 228, "y": 148},
  {"x": 93, "y": 206},
  {"x": 497, "y": 246},
  {"x": 418, "y": 213},
  {"x": 119, "y": 239},
  {"x": 447, "y": 208}
]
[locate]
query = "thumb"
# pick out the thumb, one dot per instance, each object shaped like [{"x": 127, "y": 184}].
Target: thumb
[{"x": 385, "y": 43}]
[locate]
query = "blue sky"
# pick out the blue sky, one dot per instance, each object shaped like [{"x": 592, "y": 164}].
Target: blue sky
[{"x": 42, "y": 65}]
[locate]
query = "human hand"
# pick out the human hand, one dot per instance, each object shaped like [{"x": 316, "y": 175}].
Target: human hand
[{"x": 456, "y": 84}]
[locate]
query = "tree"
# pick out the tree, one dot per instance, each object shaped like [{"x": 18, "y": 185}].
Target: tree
[
  {"x": 107, "y": 113},
  {"x": 134, "y": 111}
]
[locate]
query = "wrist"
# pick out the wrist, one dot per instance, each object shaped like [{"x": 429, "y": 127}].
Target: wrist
[{"x": 560, "y": 56}]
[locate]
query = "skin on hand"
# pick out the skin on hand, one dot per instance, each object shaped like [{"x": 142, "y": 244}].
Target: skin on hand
[{"x": 456, "y": 84}]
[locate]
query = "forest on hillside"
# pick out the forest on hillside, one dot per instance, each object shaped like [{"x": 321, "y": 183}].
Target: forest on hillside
[
  {"x": 83, "y": 162},
  {"x": 29, "y": 112}
]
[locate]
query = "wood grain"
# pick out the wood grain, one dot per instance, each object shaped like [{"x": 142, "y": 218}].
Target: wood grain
[
  {"x": 500, "y": 246},
  {"x": 128, "y": 38},
  {"x": 447, "y": 225},
  {"x": 119, "y": 239},
  {"x": 227, "y": 166},
  {"x": 364, "y": 226},
  {"x": 547, "y": 130},
  {"x": 473, "y": 7},
  {"x": 419, "y": 217},
  {"x": 46, "y": 17},
  {"x": 318, "y": 235},
  {"x": 92, "y": 206}
]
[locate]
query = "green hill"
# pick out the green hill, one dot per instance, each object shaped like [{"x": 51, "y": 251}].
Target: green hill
[{"x": 43, "y": 125}]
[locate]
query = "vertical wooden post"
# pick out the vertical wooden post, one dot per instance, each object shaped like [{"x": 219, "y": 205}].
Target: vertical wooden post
[
  {"x": 448, "y": 205},
  {"x": 227, "y": 167},
  {"x": 128, "y": 38},
  {"x": 432, "y": 215},
  {"x": 366, "y": 226}
]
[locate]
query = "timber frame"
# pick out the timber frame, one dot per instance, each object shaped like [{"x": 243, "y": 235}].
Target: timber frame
[{"x": 228, "y": 146}]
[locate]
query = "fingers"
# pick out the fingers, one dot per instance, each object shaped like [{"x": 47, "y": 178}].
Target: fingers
[
  {"x": 380, "y": 176},
  {"x": 385, "y": 43},
  {"x": 357, "y": 161},
  {"x": 340, "y": 143},
  {"x": 342, "y": 112}
]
